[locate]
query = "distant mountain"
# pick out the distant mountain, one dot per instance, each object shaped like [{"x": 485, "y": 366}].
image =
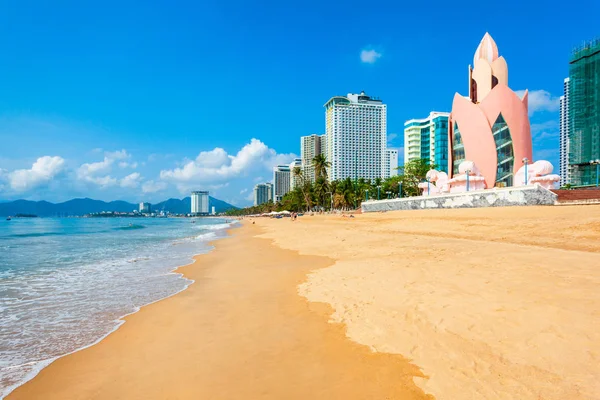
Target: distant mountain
[{"x": 78, "y": 207}]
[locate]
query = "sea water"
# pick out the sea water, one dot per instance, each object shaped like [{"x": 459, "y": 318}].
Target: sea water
[{"x": 64, "y": 283}]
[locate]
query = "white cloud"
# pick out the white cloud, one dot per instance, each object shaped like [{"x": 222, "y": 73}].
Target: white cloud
[
  {"x": 217, "y": 166},
  {"x": 89, "y": 172},
  {"x": 245, "y": 190},
  {"x": 153, "y": 187},
  {"x": 125, "y": 164},
  {"x": 369, "y": 56},
  {"x": 131, "y": 180},
  {"x": 103, "y": 181},
  {"x": 540, "y": 100},
  {"x": 41, "y": 172}
]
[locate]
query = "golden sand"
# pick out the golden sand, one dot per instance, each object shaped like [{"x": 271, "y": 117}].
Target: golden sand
[
  {"x": 500, "y": 303},
  {"x": 239, "y": 332}
]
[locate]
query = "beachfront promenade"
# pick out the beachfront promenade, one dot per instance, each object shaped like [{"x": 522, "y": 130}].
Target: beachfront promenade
[{"x": 495, "y": 303}]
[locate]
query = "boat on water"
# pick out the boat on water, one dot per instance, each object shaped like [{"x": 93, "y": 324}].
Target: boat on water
[{"x": 8, "y": 218}]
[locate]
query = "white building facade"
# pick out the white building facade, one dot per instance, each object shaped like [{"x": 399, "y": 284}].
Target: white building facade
[
  {"x": 310, "y": 147},
  {"x": 356, "y": 130},
  {"x": 199, "y": 203},
  {"x": 295, "y": 180},
  {"x": 281, "y": 182},
  {"x": 391, "y": 162},
  {"x": 263, "y": 193},
  {"x": 144, "y": 208},
  {"x": 565, "y": 173},
  {"x": 427, "y": 138}
]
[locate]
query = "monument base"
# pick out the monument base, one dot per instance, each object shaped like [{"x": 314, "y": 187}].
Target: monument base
[{"x": 532, "y": 195}]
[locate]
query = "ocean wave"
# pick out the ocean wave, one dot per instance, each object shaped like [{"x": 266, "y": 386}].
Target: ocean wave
[
  {"x": 207, "y": 235},
  {"x": 35, "y": 234},
  {"x": 79, "y": 289},
  {"x": 128, "y": 228}
]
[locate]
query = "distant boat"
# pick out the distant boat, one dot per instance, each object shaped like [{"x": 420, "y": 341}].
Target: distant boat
[
  {"x": 193, "y": 221},
  {"x": 8, "y": 218}
]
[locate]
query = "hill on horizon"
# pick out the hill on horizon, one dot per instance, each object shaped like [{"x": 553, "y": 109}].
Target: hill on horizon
[{"x": 79, "y": 207}]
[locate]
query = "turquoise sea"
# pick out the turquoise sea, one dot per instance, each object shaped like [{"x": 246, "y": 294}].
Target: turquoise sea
[{"x": 64, "y": 283}]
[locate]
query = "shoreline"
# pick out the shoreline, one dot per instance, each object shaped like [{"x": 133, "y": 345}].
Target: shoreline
[
  {"x": 468, "y": 303},
  {"x": 120, "y": 321},
  {"x": 328, "y": 364}
]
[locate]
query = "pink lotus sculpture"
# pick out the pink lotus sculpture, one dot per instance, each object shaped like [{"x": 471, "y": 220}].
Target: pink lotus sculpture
[{"x": 489, "y": 127}]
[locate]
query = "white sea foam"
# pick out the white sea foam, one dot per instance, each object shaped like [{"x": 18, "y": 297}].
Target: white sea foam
[{"x": 74, "y": 295}]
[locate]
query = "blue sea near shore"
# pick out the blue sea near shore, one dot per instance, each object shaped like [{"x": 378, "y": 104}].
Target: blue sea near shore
[{"x": 64, "y": 283}]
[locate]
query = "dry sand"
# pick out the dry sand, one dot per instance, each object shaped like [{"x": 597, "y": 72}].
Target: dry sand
[
  {"x": 499, "y": 303},
  {"x": 459, "y": 304}
]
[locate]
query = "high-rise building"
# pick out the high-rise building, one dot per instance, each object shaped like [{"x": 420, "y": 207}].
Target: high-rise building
[
  {"x": 584, "y": 113},
  {"x": 565, "y": 176},
  {"x": 281, "y": 182},
  {"x": 356, "y": 129},
  {"x": 310, "y": 147},
  {"x": 144, "y": 208},
  {"x": 213, "y": 211},
  {"x": 391, "y": 161},
  {"x": 428, "y": 139},
  {"x": 263, "y": 193},
  {"x": 199, "y": 203},
  {"x": 294, "y": 179}
]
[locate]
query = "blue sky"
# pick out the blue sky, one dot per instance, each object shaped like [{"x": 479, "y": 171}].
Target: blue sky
[{"x": 147, "y": 100}]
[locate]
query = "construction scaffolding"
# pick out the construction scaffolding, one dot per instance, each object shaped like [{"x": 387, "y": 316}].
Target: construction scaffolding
[{"x": 584, "y": 107}]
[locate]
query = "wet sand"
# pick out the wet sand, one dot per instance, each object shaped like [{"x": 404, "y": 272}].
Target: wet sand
[{"x": 239, "y": 332}]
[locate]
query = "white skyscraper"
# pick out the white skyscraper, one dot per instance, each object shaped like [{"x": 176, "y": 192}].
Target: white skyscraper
[
  {"x": 144, "y": 208},
  {"x": 263, "y": 192},
  {"x": 199, "y": 202},
  {"x": 565, "y": 170},
  {"x": 311, "y": 146},
  {"x": 356, "y": 129},
  {"x": 294, "y": 181},
  {"x": 281, "y": 182},
  {"x": 391, "y": 162}
]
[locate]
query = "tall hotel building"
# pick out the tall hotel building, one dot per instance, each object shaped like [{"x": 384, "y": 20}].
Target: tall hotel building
[
  {"x": 356, "y": 129},
  {"x": 281, "y": 182},
  {"x": 391, "y": 160},
  {"x": 428, "y": 139},
  {"x": 294, "y": 180},
  {"x": 263, "y": 193},
  {"x": 199, "y": 203},
  {"x": 565, "y": 177},
  {"x": 310, "y": 147},
  {"x": 584, "y": 113}
]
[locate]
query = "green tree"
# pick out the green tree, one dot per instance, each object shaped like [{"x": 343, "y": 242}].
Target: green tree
[
  {"x": 412, "y": 173},
  {"x": 320, "y": 164}
]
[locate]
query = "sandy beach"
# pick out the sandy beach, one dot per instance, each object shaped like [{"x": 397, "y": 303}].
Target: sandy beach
[{"x": 448, "y": 304}]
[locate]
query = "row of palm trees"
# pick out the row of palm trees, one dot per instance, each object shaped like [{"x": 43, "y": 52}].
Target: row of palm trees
[{"x": 345, "y": 194}]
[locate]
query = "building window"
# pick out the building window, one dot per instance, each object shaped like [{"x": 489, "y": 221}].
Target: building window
[
  {"x": 458, "y": 149},
  {"x": 504, "y": 150}
]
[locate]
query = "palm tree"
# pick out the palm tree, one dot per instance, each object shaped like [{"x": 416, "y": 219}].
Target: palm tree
[
  {"x": 320, "y": 164},
  {"x": 298, "y": 176}
]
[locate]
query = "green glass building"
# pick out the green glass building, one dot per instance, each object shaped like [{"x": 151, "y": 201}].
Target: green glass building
[{"x": 584, "y": 108}]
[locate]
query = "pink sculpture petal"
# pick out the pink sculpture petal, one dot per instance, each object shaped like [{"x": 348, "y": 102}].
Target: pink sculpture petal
[
  {"x": 503, "y": 100},
  {"x": 477, "y": 137}
]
